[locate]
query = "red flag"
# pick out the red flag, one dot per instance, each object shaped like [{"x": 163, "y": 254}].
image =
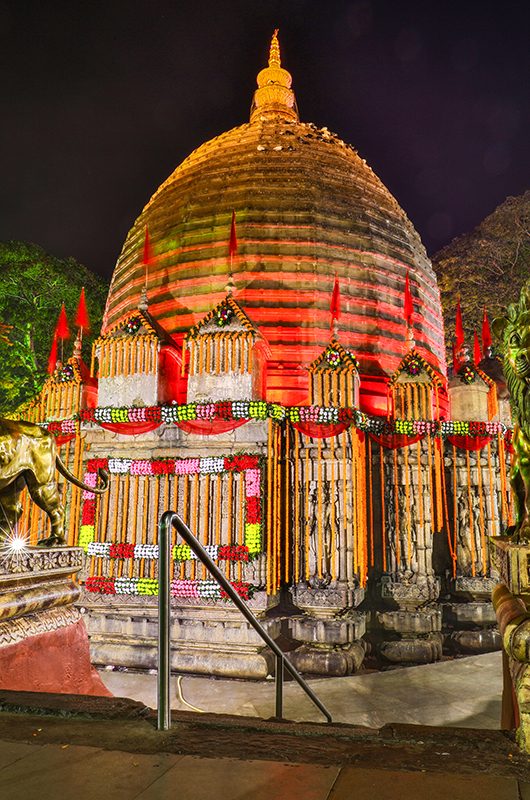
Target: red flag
[
  {"x": 409, "y": 308},
  {"x": 52, "y": 360},
  {"x": 81, "y": 315},
  {"x": 232, "y": 249},
  {"x": 62, "y": 330},
  {"x": 477, "y": 355},
  {"x": 335, "y": 303},
  {"x": 486, "y": 332},
  {"x": 147, "y": 247},
  {"x": 459, "y": 328}
]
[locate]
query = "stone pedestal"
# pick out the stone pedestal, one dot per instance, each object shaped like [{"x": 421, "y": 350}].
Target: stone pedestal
[
  {"x": 469, "y": 622},
  {"x": 206, "y": 639},
  {"x": 411, "y": 626},
  {"x": 43, "y": 641},
  {"x": 331, "y": 630}
]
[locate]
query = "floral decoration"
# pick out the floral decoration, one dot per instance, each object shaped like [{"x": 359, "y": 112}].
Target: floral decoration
[
  {"x": 66, "y": 374},
  {"x": 223, "y": 315},
  {"x": 178, "y": 588},
  {"x": 132, "y": 326},
  {"x": 414, "y": 367},
  {"x": 333, "y": 357},
  {"x": 467, "y": 375},
  {"x": 259, "y": 409}
]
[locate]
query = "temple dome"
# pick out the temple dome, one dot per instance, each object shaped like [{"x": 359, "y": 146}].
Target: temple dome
[{"x": 307, "y": 208}]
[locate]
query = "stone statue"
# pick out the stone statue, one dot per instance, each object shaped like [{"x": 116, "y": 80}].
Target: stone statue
[
  {"x": 28, "y": 457},
  {"x": 514, "y": 330}
]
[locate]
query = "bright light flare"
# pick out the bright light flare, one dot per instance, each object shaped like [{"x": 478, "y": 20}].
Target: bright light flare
[{"x": 14, "y": 545}]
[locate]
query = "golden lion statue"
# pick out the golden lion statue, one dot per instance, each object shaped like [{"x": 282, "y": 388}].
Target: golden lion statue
[
  {"x": 514, "y": 330},
  {"x": 28, "y": 458}
]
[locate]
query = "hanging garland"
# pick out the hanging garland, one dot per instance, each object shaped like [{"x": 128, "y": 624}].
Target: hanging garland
[
  {"x": 178, "y": 588},
  {"x": 259, "y": 409},
  {"x": 247, "y": 464}
]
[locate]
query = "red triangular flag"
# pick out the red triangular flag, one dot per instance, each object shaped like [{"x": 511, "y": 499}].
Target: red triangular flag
[
  {"x": 486, "y": 332},
  {"x": 334, "y": 307},
  {"x": 477, "y": 355},
  {"x": 459, "y": 328},
  {"x": 232, "y": 249},
  {"x": 409, "y": 308},
  {"x": 52, "y": 360},
  {"x": 62, "y": 330},
  {"x": 81, "y": 315},
  {"x": 147, "y": 248}
]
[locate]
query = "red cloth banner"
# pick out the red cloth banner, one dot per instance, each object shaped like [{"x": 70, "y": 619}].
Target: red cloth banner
[
  {"x": 130, "y": 428},
  {"x": 63, "y": 438},
  {"x": 469, "y": 442},
  {"x": 210, "y": 427},
  {"x": 321, "y": 431},
  {"x": 394, "y": 440}
]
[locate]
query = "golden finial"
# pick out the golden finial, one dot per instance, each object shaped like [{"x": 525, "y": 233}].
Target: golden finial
[
  {"x": 274, "y": 96},
  {"x": 274, "y": 52}
]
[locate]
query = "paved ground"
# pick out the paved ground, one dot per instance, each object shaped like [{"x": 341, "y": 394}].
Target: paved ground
[
  {"x": 109, "y": 748},
  {"x": 46, "y": 772},
  {"x": 463, "y": 692}
]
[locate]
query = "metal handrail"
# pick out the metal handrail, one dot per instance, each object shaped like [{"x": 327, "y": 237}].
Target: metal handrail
[{"x": 167, "y": 520}]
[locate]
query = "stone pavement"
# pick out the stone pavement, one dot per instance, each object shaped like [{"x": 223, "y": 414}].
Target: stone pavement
[
  {"x": 109, "y": 749},
  {"x": 46, "y": 772},
  {"x": 463, "y": 692}
]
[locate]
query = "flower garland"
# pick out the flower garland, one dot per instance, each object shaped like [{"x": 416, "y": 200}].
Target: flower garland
[
  {"x": 207, "y": 589},
  {"x": 248, "y": 464},
  {"x": 261, "y": 410}
]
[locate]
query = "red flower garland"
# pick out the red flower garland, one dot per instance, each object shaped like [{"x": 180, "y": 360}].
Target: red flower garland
[
  {"x": 121, "y": 550},
  {"x": 229, "y": 552},
  {"x": 100, "y": 584},
  {"x": 241, "y": 463}
]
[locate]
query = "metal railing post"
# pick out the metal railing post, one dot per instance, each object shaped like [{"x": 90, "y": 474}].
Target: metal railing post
[
  {"x": 164, "y": 541},
  {"x": 168, "y": 519},
  {"x": 279, "y": 687}
]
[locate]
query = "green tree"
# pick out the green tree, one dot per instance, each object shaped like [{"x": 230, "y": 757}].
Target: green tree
[
  {"x": 33, "y": 284},
  {"x": 486, "y": 267}
]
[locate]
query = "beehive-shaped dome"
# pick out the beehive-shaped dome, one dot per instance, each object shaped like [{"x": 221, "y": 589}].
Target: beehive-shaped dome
[{"x": 307, "y": 208}]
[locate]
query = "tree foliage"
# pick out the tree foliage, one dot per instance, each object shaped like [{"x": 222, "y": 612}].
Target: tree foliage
[
  {"x": 486, "y": 267},
  {"x": 33, "y": 284}
]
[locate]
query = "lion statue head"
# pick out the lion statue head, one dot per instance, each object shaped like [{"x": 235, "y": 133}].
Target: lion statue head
[{"x": 514, "y": 332}]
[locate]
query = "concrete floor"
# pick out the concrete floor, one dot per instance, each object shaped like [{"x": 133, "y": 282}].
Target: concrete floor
[
  {"x": 464, "y": 693},
  {"x": 46, "y": 772}
]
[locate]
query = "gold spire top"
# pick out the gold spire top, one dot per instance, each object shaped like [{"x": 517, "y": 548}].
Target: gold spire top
[
  {"x": 274, "y": 96},
  {"x": 274, "y": 53}
]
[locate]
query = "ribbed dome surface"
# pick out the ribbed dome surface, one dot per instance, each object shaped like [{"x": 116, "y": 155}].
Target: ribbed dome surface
[{"x": 307, "y": 208}]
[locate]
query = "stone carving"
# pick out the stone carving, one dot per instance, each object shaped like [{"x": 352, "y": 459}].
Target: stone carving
[
  {"x": 32, "y": 560},
  {"x": 28, "y": 457},
  {"x": 514, "y": 329},
  {"x": 15, "y": 630}
]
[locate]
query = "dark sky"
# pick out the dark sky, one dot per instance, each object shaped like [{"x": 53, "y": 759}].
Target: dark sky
[{"x": 101, "y": 100}]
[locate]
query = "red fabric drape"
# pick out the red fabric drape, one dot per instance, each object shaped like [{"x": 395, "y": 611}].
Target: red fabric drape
[
  {"x": 130, "y": 428},
  {"x": 210, "y": 427},
  {"x": 321, "y": 431},
  {"x": 63, "y": 438},
  {"x": 469, "y": 442},
  {"x": 394, "y": 440}
]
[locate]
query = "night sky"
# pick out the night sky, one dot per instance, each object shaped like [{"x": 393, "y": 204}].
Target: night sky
[{"x": 100, "y": 101}]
